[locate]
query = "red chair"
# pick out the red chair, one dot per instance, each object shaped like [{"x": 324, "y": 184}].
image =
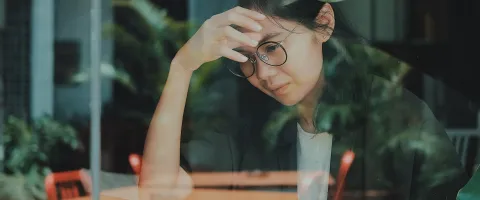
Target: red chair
[
  {"x": 66, "y": 185},
  {"x": 135, "y": 161}
]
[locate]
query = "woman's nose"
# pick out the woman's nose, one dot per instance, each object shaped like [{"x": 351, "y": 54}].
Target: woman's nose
[{"x": 265, "y": 71}]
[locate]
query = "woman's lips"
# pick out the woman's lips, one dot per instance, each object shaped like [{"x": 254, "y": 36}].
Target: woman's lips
[{"x": 281, "y": 90}]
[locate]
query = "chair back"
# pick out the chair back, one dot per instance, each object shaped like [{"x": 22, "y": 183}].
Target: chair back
[
  {"x": 67, "y": 185},
  {"x": 135, "y": 161}
]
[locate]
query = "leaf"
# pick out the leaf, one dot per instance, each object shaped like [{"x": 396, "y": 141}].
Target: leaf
[
  {"x": 13, "y": 187},
  {"x": 471, "y": 190},
  {"x": 27, "y": 155},
  {"x": 109, "y": 71},
  {"x": 149, "y": 11}
]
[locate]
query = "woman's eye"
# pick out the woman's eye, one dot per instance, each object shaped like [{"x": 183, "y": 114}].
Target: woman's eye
[{"x": 271, "y": 48}]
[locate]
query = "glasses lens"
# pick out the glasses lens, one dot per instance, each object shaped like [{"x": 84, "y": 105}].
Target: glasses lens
[
  {"x": 272, "y": 53},
  {"x": 243, "y": 70}
]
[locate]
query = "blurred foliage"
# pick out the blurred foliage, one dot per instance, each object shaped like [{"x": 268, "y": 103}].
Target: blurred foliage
[
  {"x": 471, "y": 191},
  {"x": 13, "y": 188},
  {"x": 30, "y": 150},
  {"x": 361, "y": 76},
  {"x": 146, "y": 39},
  {"x": 352, "y": 61}
]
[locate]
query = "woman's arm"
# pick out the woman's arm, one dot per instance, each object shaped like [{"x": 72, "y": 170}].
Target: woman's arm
[
  {"x": 215, "y": 39},
  {"x": 162, "y": 146}
]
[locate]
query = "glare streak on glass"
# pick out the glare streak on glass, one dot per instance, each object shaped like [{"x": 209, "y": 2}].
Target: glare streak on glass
[{"x": 95, "y": 100}]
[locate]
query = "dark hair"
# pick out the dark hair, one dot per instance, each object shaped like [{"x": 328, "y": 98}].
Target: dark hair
[
  {"x": 304, "y": 12},
  {"x": 342, "y": 85}
]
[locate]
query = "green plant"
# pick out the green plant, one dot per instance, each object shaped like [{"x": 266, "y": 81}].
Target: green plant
[
  {"x": 146, "y": 41},
  {"x": 31, "y": 149},
  {"x": 395, "y": 124},
  {"x": 361, "y": 61},
  {"x": 471, "y": 190},
  {"x": 13, "y": 188}
]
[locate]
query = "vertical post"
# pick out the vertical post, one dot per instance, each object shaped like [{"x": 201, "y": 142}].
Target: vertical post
[
  {"x": 2, "y": 113},
  {"x": 95, "y": 96},
  {"x": 42, "y": 58},
  {"x": 2, "y": 14},
  {"x": 478, "y": 120},
  {"x": 2, "y": 105}
]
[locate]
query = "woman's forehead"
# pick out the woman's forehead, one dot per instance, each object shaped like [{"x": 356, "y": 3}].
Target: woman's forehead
[{"x": 272, "y": 25}]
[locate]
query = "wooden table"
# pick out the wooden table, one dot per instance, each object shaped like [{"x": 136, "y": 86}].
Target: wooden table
[
  {"x": 208, "y": 180},
  {"x": 131, "y": 193},
  {"x": 226, "y": 179}
]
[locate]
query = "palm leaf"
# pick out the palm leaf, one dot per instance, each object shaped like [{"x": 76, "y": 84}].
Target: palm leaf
[{"x": 471, "y": 190}]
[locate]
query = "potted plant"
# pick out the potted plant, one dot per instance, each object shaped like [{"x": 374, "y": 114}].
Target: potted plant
[{"x": 30, "y": 152}]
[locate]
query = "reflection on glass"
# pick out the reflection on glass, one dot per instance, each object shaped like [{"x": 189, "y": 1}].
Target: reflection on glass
[{"x": 311, "y": 113}]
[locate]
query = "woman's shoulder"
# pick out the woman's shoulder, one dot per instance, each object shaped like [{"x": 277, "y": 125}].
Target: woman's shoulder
[{"x": 399, "y": 100}]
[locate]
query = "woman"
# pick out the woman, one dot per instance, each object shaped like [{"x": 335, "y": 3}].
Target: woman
[{"x": 279, "y": 46}]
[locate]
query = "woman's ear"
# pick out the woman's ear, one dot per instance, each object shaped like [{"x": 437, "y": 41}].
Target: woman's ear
[{"x": 326, "y": 17}]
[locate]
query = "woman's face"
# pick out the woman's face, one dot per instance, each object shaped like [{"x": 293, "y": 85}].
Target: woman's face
[{"x": 295, "y": 80}]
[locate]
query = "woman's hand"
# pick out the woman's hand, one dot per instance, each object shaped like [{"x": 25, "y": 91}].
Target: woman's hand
[{"x": 217, "y": 38}]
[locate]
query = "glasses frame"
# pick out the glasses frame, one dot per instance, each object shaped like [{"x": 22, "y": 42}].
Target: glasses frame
[
  {"x": 253, "y": 60},
  {"x": 279, "y": 44}
]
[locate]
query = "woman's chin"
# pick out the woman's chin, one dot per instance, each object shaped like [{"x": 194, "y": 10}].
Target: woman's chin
[{"x": 287, "y": 100}]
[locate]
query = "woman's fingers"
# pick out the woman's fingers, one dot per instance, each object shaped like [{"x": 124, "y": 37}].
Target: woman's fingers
[
  {"x": 233, "y": 35},
  {"x": 250, "y": 13},
  {"x": 217, "y": 36},
  {"x": 225, "y": 51},
  {"x": 246, "y": 47},
  {"x": 239, "y": 16},
  {"x": 242, "y": 21}
]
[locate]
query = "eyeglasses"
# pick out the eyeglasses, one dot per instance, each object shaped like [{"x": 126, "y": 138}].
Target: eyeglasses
[{"x": 270, "y": 52}]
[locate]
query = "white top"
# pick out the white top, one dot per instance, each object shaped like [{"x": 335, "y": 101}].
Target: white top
[{"x": 314, "y": 155}]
